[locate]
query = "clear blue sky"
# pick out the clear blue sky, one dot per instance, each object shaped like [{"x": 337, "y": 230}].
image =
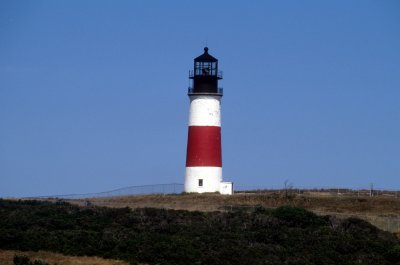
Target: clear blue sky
[{"x": 93, "y": 93}]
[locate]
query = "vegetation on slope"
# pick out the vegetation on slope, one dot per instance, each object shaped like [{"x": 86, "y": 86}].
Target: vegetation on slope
[
  {"x": 24, "y": 260},
  {"x": 213, "y": 202},
  {"x": 7, "y": 257},
  {"x": 157, "y": 236}
]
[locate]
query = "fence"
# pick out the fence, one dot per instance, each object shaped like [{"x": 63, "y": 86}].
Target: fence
[
  {"x": 170, "y": 188},
  {"x": 176, "y": 188},
  {"x": 320, "y": 191}
]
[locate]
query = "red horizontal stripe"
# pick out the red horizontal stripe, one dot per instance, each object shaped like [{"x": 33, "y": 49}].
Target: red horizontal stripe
[{"x": 204, "y": 147}]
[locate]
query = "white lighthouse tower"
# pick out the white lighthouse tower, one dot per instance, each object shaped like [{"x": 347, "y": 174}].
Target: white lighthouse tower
[{"x": 204, "y": 158}]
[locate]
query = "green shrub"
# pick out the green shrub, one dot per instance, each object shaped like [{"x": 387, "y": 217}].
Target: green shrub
[
  {"x": 21, "y": 260},
  {"x": 297, "y": 217},
  {"x": 24, "y": 260},
  {"x": 394, "y": 254}
]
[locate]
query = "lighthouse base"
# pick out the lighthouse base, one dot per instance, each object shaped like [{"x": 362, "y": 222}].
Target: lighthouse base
[
  {"x": 203, "y": 179},
  {"x": 206, "y": 179}
]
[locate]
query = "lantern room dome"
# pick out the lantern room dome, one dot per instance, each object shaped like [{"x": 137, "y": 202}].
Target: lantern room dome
[{"x": 205, "y": 57}]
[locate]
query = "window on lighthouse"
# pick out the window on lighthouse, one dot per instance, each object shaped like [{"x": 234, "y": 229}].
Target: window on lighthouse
[
  {"x": 200, "y": 182},
  {"x": 206, "y": 68}
]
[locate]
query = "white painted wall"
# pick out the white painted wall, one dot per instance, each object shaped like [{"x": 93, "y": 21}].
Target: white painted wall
[
  {"x": 211, "y": 176},
  {"x": 205, "y": 111}
]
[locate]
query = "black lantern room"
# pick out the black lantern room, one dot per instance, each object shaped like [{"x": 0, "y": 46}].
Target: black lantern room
[{"x": 205, "y": 76}]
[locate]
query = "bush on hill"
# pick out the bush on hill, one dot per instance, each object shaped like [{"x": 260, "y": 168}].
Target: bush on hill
[
  {"x": 24, "y": 260},
  {"x": 285, "y": 235}
]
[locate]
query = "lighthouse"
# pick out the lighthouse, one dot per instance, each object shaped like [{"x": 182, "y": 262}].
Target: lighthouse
[{"x": 204, "y": 154}]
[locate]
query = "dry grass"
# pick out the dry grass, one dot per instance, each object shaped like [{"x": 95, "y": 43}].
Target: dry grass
[
  {"x": 215, "y": 202},
  {"x": 382, "y": 211},
  {"x": 6, "y": 258}
]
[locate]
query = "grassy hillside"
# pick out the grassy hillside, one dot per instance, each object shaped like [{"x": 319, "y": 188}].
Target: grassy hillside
[
  {"x": 214, "y": 202},
  {"x": 158, "y": 236},
  {"x": 382, "y": 211}
]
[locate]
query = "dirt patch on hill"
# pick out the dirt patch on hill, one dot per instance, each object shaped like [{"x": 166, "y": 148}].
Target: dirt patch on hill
[{"x": 7, "y": 256}]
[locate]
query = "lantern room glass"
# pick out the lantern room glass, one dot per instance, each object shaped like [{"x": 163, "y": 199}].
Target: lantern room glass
[{"x": 205, "y": 68}]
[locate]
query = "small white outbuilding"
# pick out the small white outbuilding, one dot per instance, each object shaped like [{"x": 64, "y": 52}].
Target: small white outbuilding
[{"x": 226, "y": 188}]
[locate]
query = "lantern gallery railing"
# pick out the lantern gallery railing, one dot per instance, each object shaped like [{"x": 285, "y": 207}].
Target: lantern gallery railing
[
  {"x": 192, "y": 74},
  {"x": 220, "y": 92}
]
